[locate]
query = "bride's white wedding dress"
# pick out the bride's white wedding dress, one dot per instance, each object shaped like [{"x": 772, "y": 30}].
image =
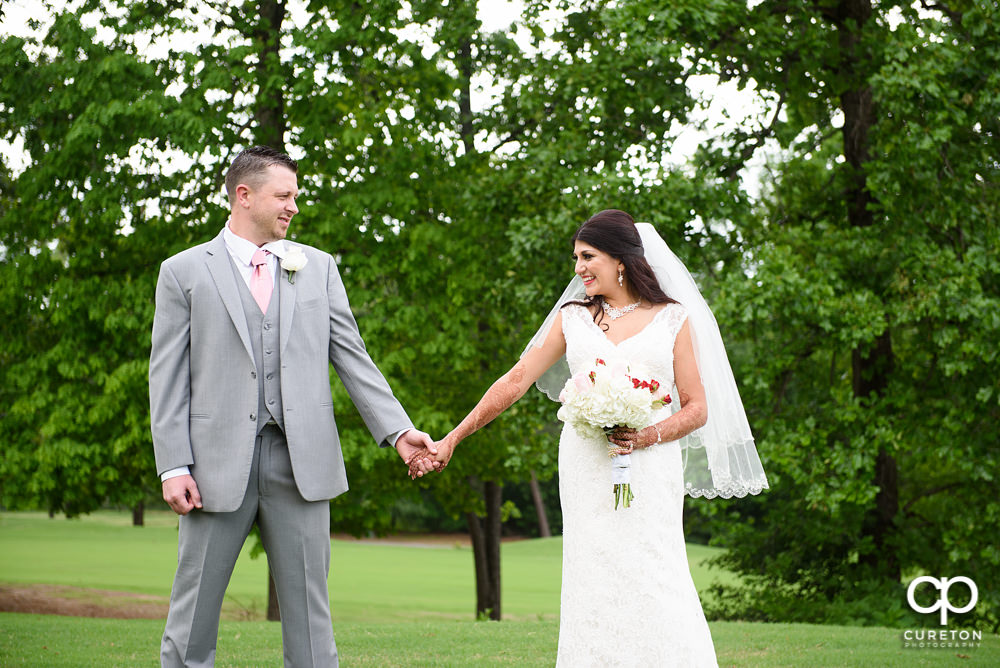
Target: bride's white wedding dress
[{"x": 627, "y": 594}]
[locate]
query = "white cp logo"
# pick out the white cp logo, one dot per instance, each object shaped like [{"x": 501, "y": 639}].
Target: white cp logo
[{"x": 943, "y": 603}]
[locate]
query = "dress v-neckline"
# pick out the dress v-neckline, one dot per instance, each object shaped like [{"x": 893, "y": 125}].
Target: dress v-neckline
[{"x": 627, "y": 338}]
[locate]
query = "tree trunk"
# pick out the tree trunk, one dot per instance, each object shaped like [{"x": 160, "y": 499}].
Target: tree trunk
[
  {"x": 273, "y": 612},
  {"x": 478, "y": 561},
  {"x": 269, "y": 107},
  {"x": 138, "y": 514},
  {"x": 871, "y": 371},
  {"x": 871, "y": 365},
  {"x": 543, "y": 518},
  {"x": 858, "y": 107},
  {"x": 485, "y": 536},
  {"x": 466, "y": 131},
  {"x": 269, "y": 114},
  {"x": 494, "y": 499}
]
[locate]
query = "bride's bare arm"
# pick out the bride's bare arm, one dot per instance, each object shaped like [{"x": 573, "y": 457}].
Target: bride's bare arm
[
  {"x": 507, "y": 389},
  {"x": 691, "y": 394}
]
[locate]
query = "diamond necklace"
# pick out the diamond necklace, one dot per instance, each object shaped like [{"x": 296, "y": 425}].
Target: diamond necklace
[{"x": 615, "y": 313}]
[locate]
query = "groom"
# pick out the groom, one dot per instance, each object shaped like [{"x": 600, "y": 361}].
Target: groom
[{"x": 245, "y": 328}]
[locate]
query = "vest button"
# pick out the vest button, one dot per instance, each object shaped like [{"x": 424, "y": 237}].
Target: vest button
[
  {"x": 253, "y": 416},
  {"x": 253, "y": 374}
]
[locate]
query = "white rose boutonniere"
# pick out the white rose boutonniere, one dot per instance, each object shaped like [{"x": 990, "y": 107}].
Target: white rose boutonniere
[{"x": 294, "y": 260}]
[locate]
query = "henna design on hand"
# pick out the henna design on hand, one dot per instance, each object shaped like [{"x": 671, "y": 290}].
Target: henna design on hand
[
  {"x": 683, "y": 422},
  {"x": 413, "y": 462},
  {"x": 501, "y": 395}
]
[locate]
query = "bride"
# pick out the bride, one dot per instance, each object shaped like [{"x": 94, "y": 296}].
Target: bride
[{"x": 627, "y": 595}]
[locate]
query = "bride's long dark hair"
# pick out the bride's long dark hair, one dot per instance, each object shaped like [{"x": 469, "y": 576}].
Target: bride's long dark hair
[{"x": 613, "y": 232}]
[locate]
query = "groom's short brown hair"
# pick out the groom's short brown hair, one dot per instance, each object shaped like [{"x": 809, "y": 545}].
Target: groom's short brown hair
[{"x": 249, "y": 166}]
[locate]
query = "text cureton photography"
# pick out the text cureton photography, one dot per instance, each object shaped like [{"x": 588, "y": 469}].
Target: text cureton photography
[
  {"x": 942, "y": 638},
  {"x": 948, "y": 638}
]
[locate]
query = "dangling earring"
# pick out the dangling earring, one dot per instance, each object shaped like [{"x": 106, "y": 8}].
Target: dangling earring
[{"x": 619, "y": 277}]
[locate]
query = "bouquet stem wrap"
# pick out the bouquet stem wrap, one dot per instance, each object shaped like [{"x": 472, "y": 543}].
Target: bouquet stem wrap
[
  {"x": 608, "y": 396},
  {"x": 621, "y": 478}
]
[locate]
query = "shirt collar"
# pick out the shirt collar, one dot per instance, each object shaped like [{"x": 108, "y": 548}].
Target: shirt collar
[{"x": 243, "y": 249}]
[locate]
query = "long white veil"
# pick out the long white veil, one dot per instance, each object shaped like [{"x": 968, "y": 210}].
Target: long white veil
[{"x": 720, "y": 458}]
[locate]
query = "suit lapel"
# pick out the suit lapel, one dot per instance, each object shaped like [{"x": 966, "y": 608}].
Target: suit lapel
[
  {"x": 220, "y": 266},
  {"x": 286, "y": 293}
]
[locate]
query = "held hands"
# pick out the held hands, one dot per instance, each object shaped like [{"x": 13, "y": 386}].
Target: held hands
[
  {"x": 437, "y": 460},
  {"x": 417, "y": 449},
  {"x": 629, "y": 440}
]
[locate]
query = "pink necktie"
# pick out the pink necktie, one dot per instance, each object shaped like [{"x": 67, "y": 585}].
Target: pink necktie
[{"x": 261, "y": 284}]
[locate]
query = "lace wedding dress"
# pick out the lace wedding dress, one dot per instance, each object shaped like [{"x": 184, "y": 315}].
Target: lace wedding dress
[{"x": 627, "y": 594}]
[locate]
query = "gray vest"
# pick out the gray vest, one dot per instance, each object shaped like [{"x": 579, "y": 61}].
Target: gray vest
[{"x": 264, "y": 341}]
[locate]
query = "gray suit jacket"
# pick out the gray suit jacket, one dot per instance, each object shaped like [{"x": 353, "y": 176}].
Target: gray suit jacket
[{"x": 202, "y": 387}]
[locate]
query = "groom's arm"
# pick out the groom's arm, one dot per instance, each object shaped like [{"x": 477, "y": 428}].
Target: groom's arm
[
  {"x": 367, "y": 387},
  {"x": 170, "y": 393},
  {"x": 169, "y": 374}
]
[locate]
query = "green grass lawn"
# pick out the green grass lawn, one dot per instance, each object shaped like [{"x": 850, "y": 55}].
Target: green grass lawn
[
  {"x": 393, "y": 606},
  {"x": 103, "y": 551},
  {"x": 50, "y": 641}
]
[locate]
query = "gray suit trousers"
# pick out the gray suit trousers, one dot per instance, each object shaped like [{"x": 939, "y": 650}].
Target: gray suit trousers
[{"x": 296, "y": 536}]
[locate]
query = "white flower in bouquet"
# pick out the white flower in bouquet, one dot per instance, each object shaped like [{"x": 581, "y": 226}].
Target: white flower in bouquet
[{"x": 607, "y": 396}]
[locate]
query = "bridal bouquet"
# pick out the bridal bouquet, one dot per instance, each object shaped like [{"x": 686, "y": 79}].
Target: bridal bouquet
[{"x": 608, "y": 396}]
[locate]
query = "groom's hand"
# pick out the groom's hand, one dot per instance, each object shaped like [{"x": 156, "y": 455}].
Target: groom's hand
[
  {"x": 181, "y": 494},
  {"x": 417, "y": 450}
]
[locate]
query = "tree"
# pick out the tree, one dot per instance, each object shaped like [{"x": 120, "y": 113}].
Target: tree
[
  {"x": 387, "y": 127},
  {"x": 78, "y": 240},
  {"x": 859, "y": 277},
  {"x": 868, "y": 291},
  {"x": 409, "y": 138},
  {"x": 104, "y": 215},
  {"x": 532, "y": 166}
]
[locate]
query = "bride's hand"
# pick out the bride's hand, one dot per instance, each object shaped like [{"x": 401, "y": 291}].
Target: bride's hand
[
  {"x": 445, "y": 448},
  {"x": 628, "y": 440},
  {"x": 425, "y": 461},
  {"x": 421, "y": 463}
]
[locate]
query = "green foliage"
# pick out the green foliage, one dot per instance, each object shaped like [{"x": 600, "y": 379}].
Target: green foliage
[
  {"x": 75, "y": 286},
  {"x": 448, "y": 282},
  {"x": 823, "y": 292},
  {"x": 451, "y": 219}
]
